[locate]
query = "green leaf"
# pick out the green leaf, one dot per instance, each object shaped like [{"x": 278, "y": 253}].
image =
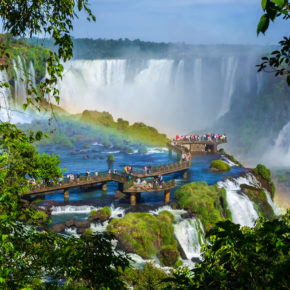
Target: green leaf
[
  {"x": 24, "y": 106},
  {"x": 264, "y": 4},
  {"x": 263, "y": 24},
  {"x": 279, "y": 3}
]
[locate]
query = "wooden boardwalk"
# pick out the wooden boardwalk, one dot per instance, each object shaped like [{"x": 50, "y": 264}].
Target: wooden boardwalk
[{"x": 125, "y": 181}]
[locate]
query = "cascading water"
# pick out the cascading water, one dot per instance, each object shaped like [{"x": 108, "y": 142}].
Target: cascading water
[
  {"x": 279, "y": 154},
  {"x": 5, "y": 96},
  {"x": 228, "y": 71},
  {"x": 188, "y": 232},
  {"x": 20, "y": 81},
  {"x": 242, "y": 209},
  {"x": 198, "y": 89}
]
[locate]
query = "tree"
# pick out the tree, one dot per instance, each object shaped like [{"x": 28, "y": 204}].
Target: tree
[
  {"x": 279, "y": 60},
  {"x": 52, "y": 18},
  {"x": 242, "y": 258}
]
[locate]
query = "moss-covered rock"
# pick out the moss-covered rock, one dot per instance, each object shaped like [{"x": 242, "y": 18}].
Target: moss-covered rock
[
  {"x": 219, "y": 165},
  {"x": 100, "y": 215},
  {"x": 209, "y": 202},
  {"x": 263, "y": 174},
  {"x": 147, "y": 235},
  {"x": 258, "y": 196},
  {"x": 231, "y": 157}
]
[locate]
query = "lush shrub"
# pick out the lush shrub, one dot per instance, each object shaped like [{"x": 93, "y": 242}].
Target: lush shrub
[
  {"x": 209, "y": 202},
  {"x": 111, "y": 158},
  {"x": 150, "y": 277},
  {"x": 263, "y": 171},
  {"x": 219, "y": 165},
  {"x": 93, "y": 212}
]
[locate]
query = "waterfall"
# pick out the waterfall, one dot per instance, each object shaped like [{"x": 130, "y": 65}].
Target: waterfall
[
  {"x": 228, "y": 71},
  {"x": 271, "y": 203},
  {"x": 20, "y": 81},
  {"x": 5, "y": 95},
  {"x": 242, "y": 209},
  {"x": 197, "y": 83},
  {"x": 279, "y": 154},
  {"x": 31, "y": 75},
  {"x": 190, "y": 236},
  {"x": 188, "y": 232}
]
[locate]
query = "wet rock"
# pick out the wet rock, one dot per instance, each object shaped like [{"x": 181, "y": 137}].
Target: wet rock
[
  {"x": 174, "y": 205},
  {"x": 168, "y": 257},
  {"x": 70, "y": 223},
  {"x": 83, "y": 224},
  {"x": 196, "y": 260},
  {"x": 81, "y": 231},
  {"x": 119, "y": 215},
  {"x": 185, "y": 215},
  {"x": 98, "y": 216},
  {"x": 59, "y": 228}
]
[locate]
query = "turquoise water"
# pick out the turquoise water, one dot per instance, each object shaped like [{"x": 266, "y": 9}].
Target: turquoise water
[{"x": 74, "y": 162}]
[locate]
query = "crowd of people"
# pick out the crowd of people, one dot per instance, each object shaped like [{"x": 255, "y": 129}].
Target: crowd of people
[
  {"x": 205, "y": 137},
  {"x": 144, "y": 184}
]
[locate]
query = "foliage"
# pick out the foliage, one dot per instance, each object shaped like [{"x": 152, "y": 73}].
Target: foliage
[
  {"x": 235, "y": 257},
  {"x": 53, "y": 18},
  {"x": 137, "y": 131},
  {"x": 264, "y": 173},
  {"x": 149, "y": 278},
  {"x": 144, "y": 233},
  {"x": 279, "y": 60},
  {"x": 19, "y": 161},
  {"x": 219, "y": 165},
  {"x": 111, "y": 157},
  {"x": 208, "y": 202},
  {"x": 29, "y": 258}
]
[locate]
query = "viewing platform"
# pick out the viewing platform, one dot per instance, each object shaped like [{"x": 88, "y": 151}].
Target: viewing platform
[{"x": 126, "y": 181}]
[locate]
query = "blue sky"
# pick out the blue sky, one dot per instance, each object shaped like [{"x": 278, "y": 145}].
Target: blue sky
[{"x": 190, "y": 21}]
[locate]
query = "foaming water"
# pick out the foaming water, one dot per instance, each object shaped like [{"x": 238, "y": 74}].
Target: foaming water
[{"x": 241, "y": 207}]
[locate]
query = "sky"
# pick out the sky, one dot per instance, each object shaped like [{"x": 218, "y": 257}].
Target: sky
[{"x": 189, "y": 21}]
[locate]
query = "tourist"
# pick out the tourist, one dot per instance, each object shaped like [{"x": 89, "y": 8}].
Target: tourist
[
  {"x": 115, "y": 171},
  {"x": 78, "y": 177},
  {"x": 145, "y": 169},
  {"x": 96, "y": 173},
  {"x": 149, "y": 169},
  {"x": 109, "y": 171},
  {"x": 88, "y": 174}
]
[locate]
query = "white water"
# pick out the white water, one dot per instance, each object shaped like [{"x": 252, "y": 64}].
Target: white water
[
  {"x": 5, "y": 95},
  {"x": 241, "y": 207},
  {"x": 228, "y": 161},
  {"x": 141, "y": 90},
  {"x": 271, "y": 203},
  {"x": 279, "y": 154},
  {"x": 20, "y": 81},
  {"x": 188, "y": 232},
  {"x": 228, "y": 71}
]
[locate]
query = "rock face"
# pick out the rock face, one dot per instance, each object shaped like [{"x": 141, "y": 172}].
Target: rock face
[
  {"x": 100, "y": 215},
  {"x": 59, "y": 228}
]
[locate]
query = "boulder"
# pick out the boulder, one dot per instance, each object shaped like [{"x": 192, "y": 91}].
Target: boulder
[
  {"x": 83, "y": 224},
  {"x": 59, "y": 228},
  {"x": 98, "y": 216},
  {"x": 196, "y": 260},
  {"x": 81, "y": 231},
  {"x": 168, "y": 257},
  {"x": 174, "y": 205},
  {"x": 70, "y": 223}
]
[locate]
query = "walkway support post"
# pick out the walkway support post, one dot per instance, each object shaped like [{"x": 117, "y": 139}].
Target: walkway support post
[
  {"x": 133, "y": 199},
  {"x": 167, "y": 196},
  {"x": 121, "y": 186},
  {"x": 66, "y": 195},
  {"x": 104, "y": 186},
  {"x": 138, "y": 196}
]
